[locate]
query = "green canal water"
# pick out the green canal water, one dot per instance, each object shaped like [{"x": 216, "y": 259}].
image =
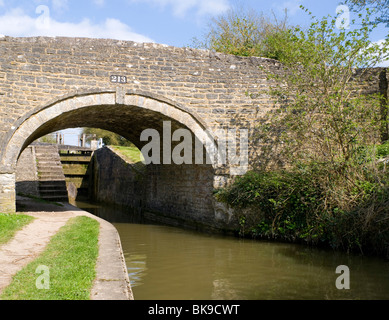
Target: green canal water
[{"x": 168, "y": 263}]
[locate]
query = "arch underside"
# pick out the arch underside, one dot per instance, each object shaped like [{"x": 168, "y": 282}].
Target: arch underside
[{"x": 127, "y": 121}]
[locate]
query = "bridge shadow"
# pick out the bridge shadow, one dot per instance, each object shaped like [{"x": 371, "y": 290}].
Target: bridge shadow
[{"x": 28, "y": 203}]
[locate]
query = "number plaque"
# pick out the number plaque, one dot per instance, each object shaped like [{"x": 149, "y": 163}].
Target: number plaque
[{"x": 118, "y": 79}]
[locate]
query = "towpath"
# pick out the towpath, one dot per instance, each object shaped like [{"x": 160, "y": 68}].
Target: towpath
[{"x": 111, "y": 281}]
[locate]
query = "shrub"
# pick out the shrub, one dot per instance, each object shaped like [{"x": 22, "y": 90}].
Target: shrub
[{"x": 300, "y": 205}]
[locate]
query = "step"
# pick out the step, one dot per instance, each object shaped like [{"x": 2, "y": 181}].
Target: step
[
  {"x": 47, "y": 154},
  {"x": 49, "y": 178},
  {"x": 48, "y": 161},
  {"x": 54, "y": 193},
  {"x": 53, "y": 187},
  {"x": 49, "y": 185},
  {"x": 49, "y": 165},
  {"x": 56, "y": 198},
  {"x": 60, "y": 182},
  {"x": 51, "y": 170},
  {"x": 58, "y": 174}
]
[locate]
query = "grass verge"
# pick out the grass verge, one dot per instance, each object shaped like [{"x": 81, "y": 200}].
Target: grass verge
[
  {"x": 10, "y": 223},
  {"x": 131, "y": 154},
  {"x": 69, "y": 261}
]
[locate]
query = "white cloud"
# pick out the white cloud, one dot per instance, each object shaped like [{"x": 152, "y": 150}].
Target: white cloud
[
  {"x": 182, "y": 7},
  {"x": 18, "y": 24}
]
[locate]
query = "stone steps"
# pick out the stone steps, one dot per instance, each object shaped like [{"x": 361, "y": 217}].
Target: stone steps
[{"x": 52, "y": 184}]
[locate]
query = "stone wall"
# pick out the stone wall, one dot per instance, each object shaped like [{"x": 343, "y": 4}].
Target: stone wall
[
  {"x": 172, "y": 194},
  {"x": 27, "y": 181},
  {"x": 181, "y": 191},
  {"x": 116, "y": 181}
]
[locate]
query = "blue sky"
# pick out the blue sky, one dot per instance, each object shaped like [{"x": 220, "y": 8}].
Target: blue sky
[{"x": 171, "y": 22}]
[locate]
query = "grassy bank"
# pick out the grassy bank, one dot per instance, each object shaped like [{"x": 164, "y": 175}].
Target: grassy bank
[
  {"x": 10, "y": 223},
  {"x": 346, "y": 208},
  {"x": 131, "y": 154},
  {"x": 70, "y": 259}
]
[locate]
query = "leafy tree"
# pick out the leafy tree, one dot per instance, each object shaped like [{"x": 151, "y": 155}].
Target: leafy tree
[
  {"x": 321, "y": 116},
  {"x": 243, "y": 32},
  {"x": 381, "y": 7},
  {"x": 49, "y": 138}
]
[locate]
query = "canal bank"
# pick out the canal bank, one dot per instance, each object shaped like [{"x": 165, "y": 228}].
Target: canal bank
[{"x": 111, "y": 282}]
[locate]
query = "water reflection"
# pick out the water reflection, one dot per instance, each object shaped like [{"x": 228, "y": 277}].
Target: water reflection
[
  {"x": 136, "y": 266},
  {"x": 171, "y": 263}
]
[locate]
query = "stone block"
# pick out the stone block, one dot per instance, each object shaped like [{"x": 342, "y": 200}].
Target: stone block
[{"x": 7, "y": 193}]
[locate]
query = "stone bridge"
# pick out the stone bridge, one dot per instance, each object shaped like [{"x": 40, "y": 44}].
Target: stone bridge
[{"x": 50, "y": 84}]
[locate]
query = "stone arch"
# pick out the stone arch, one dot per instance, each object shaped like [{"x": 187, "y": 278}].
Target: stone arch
[
  {"x": 40, "y": 121},
  {"x": 104, "y": 109}
]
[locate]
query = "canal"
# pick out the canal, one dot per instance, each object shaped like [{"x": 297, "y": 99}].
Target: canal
[{"x": 169, "y": 263}]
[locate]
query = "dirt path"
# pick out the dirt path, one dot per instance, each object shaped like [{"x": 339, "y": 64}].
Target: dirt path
[
  {"x": 27, "y": 244},
  {"x": 111, "y": 282}
]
